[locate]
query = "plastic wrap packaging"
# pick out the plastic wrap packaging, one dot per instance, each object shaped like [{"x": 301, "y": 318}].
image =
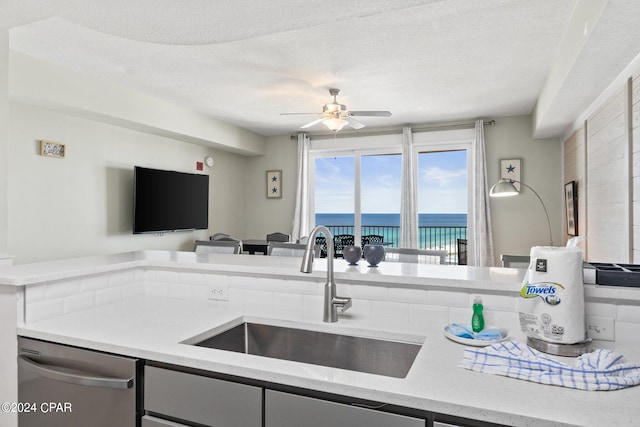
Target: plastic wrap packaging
[{"x": 551, "y": 303}]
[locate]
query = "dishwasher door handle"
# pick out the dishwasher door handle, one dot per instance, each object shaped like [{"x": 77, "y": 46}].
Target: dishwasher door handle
[{"x": 63, "y": 375}]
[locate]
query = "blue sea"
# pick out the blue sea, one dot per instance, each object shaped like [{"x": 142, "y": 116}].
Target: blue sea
[{"x": 436, "y": 231}]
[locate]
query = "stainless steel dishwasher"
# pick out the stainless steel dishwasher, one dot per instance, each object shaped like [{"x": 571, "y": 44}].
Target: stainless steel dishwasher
[{"x": 67, "y": 386}]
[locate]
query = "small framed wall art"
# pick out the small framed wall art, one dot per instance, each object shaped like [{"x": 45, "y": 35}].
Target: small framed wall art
[
  {"x": 52, "y": 149},
  {"x": 571, "y": 200},
  {"x": 511, "y": 169},
  {"x": 274, "y": 184}
]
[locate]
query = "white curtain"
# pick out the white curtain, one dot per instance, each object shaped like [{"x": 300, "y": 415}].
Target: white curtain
[
  {"x": 480, "y": 245},
  {"x": 409, "y": 193},
  {"x": 301, "y": 213}
]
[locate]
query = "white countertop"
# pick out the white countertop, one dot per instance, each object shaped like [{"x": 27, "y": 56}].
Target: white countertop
[{"x": 152, "y": 328}]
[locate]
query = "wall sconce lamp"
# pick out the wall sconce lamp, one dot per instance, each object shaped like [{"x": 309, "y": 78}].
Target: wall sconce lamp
[{"x": 505, "y": 188}]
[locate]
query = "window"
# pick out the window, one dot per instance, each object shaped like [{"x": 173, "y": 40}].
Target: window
[
  {"x": 442, "y": 199},
  {"x": 355, "y": 187}
]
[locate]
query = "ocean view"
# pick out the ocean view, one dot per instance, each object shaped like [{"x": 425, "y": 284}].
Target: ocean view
[
  {"x": 435, "y": 231},
  {"x": 424, "y": 220}
]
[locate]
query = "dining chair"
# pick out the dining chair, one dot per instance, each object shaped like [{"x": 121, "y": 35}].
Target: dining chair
[
  {"x": 218, "y": 246},
  {"x": 462, "y": 251},
  {"x": 289, "y": 249},
  {"x": 278, "y": 237},
  {"x": 340, "y": 241},
  {"x": 515, "y": 261},
  {"x": 420, "y": 256},
  {"x": 371, "y": 239}
]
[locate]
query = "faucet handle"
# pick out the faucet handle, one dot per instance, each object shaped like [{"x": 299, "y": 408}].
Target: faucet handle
[{"x": 342, "y": 303}]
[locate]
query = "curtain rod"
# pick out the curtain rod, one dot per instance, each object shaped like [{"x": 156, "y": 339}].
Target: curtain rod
[{"x": 396, "y": 131}]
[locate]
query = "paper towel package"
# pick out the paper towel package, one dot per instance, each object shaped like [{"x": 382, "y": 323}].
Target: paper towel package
[{"x": 551, "y": 303}]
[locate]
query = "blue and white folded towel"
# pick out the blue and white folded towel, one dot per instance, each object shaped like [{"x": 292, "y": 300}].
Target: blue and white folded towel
[{"x": 598, "y": 370}]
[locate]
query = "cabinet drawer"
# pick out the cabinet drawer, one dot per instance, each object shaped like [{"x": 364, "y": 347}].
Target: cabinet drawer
[
  {"x": 201, "y": 399},
  {"x": 289, "y": 410}
]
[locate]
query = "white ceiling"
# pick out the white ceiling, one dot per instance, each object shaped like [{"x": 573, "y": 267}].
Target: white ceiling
[{"x": 247, "y": 61}]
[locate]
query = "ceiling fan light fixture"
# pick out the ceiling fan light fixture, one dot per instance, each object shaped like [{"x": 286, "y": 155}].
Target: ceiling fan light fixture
[{"x": 335, "y": 124}]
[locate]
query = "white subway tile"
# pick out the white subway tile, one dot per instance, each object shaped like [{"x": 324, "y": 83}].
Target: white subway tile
[
  {"x": 62, "y": 288},
  {"x": 178, "y": 291},
  {"x": 35, "y": 293},
  {"x": 189, "y": 278},
  {"x": 628, "y": 313},
  {"x": 258, "y": 300},
  {"x": 393, "y": 311},
  {"x": 373, "y": 293},
  {"x": 167, "y": 276},
  {"x": 460, "y": 315},
  {"x": 428, "y": 314},
  {"x": 133, "y": 290},
  {"x": 305, "y": 287},
  {"x": 109, "y": 295},
  {"x": 46, "y": 309},
  {"x": 79, "y": 302},
  {"x": 155, "y": 288},
  {"x": 448, "y": 298},
  {"x": 199, "y": 293},
  {"x": 93, "y": 283},
  {"x": 600, "y": 309},
  {"x": 287, "y": 303},
  {"x": 408, "y": 295},
  {"x": 121, "y": 278},
  {"x": 627, "y": 333}
]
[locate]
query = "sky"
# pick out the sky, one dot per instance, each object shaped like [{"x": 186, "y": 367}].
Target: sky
[{"x": 442, "y": 183}]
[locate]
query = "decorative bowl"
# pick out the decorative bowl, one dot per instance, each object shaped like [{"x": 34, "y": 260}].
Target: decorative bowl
[
  {"x": 352, "y": 254},
  {"x": 373, "y": 254}
]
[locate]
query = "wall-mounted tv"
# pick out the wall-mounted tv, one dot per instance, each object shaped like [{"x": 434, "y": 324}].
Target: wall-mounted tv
[{"x": 169, "y": 201}]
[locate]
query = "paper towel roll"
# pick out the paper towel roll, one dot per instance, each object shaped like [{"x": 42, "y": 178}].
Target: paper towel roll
[{"x": 551, "y": 302}]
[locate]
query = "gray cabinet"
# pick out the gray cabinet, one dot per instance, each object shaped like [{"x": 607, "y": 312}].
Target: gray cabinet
[
  {"x": 149, "y": 421},
  {"x": 289, "y": 410},
  {"x": 200, "y": 399}
]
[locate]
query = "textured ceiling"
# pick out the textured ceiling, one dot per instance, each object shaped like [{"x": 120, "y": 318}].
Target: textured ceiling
[{"x": 247, "y": 61}]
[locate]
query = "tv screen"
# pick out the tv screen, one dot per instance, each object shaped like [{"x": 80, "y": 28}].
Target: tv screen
[{"x": 169, "y": 201}]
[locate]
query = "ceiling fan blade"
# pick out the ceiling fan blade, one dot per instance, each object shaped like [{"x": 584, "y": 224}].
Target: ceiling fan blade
[
  {"x": 371, "y": 113},
  {"x": 292, "y": 114},
  {"x": 354, "y": 123},
  {"x": 315, "y": 122}
]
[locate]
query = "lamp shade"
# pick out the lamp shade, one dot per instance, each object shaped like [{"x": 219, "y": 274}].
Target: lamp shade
[
  {"x": 335, "y": 124},
  {"x": 503, "y": 188}
]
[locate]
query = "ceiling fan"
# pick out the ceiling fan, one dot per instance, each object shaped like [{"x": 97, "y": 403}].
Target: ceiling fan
[{"x": 336, "y": 116}]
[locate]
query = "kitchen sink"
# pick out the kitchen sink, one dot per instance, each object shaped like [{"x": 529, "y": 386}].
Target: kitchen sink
[{"x": 371, "y": 355}]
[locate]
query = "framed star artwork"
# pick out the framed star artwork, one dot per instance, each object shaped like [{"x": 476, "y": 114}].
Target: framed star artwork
[
  {"x": 274, "y": 184},
  {"x": 511, "y": 169}
]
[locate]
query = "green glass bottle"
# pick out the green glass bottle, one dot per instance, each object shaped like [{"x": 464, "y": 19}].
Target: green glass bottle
[{"x": 477, "y": 320}]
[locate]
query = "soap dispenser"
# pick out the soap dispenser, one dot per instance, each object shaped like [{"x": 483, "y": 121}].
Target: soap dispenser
[{"x": 477, "y": 320}]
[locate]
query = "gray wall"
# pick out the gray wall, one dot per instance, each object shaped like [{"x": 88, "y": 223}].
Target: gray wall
[{"x": 518, "y": 222}]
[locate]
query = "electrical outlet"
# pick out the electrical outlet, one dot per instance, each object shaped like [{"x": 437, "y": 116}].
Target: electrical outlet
[
  {"x": 601, "y": 328},
  {"x": 218, "y": 292}
]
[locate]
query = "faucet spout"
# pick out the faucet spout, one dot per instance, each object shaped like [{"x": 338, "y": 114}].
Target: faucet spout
[{"x": 331, "y": 300}]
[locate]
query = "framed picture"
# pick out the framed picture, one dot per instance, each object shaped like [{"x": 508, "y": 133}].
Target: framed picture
[
  {"x": 274, "y": 184},
  {"x": 511, "y": 169},
  {"x": 52, "y": 149},
  {"x": 571, "y": 200}
]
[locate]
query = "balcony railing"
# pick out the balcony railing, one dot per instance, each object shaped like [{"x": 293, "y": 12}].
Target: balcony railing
[{"x": 429, "y": 237}]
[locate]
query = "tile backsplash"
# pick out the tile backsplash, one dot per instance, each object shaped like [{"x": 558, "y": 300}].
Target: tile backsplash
[{"x": 373, "y": 302}]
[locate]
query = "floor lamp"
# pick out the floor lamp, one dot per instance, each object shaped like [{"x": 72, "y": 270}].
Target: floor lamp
[{"x": 505, "y": 188}]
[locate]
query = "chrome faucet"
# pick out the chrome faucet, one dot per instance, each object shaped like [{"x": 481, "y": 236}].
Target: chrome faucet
[{"x": 331, "y": 301}]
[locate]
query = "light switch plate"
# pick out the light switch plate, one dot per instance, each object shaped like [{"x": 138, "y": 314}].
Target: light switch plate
[{"x": 601, "y": 328}]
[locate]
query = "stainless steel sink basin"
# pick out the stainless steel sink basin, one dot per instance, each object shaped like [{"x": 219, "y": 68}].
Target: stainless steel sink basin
[{"x": 370, "y": 355}]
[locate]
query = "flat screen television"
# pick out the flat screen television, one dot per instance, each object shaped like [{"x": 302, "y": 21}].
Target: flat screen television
[{"x": 169, "y": 201}]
